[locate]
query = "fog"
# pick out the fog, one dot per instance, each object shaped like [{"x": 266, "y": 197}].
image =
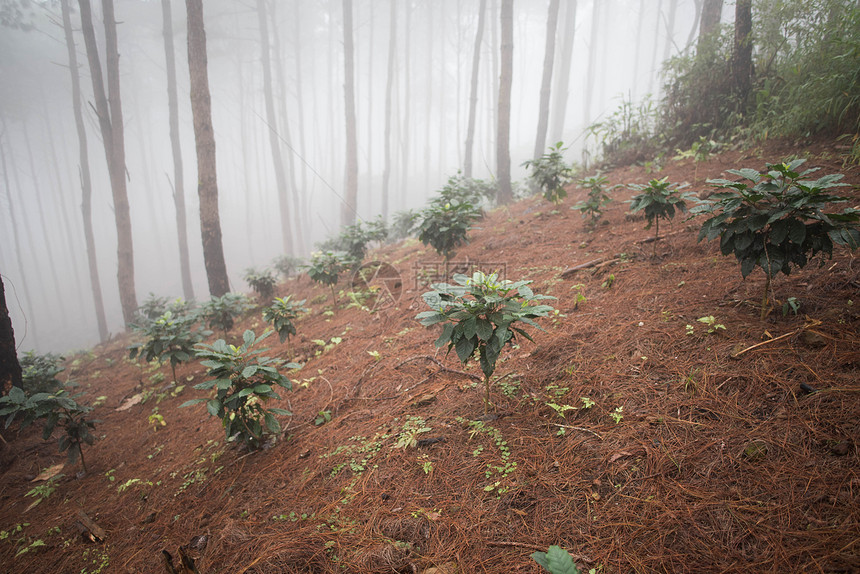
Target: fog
[{"x": 43, "y": 257}]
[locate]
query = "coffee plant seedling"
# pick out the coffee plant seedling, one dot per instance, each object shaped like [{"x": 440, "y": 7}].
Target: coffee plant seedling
[
  {"x": 479, "y": 315},
  {"x": 281, "y": 314},
  {"x": 168, "y": 338},
  {"x": 659, "y": 198},
  {"x": 221, "y": 312},
  {"x": 57, "y": 408},
  {"x": 444, "y": 225},
  {"x": 326, "y": 266},
  {"x": 556, "y": 561},
  {"x": 262, "y": 282},
  {"x": 243, "y": 381},
  {"x": 550, "y": 173},
  {"x": 597, "y": 198},
  {"x": 287, "y": 265},
  {"x": 775, "y": 219},
  {"x": 355, "y": 239},
  {"x": 403, "y": 224},
  {"x": 39, "y": 372}
]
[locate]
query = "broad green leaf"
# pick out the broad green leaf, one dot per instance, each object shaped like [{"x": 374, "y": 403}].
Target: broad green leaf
[
  {"x": 272, "y": 423},
  {"x": 213, "y": 406},
  {"x": 465, "y": 347},
  {"x": 190, "y": 402}
]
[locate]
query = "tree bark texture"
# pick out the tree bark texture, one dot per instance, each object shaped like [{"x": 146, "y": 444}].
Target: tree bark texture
[
  {"x": 109, "y": 111},
  {"x": 546, "y": 81},
  {"x": 178, "y": 179},
  {"x": 473, "y": 97},
  {"x": 348, "y": 211},
  {"x": 710, "y": 21},
  {"x": 10, "y": 368},
  {"x": 503, "y": 143},
  {"x": 204, "y": 137}
]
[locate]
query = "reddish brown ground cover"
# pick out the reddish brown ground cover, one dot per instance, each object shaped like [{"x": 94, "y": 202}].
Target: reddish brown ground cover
[{"x": 717, "y": 464}]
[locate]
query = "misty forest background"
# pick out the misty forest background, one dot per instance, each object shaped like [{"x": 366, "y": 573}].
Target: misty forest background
[{"x": 412, "y": 62}]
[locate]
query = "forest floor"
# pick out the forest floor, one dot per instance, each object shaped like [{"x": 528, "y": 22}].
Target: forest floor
[{"x": 618, "y": 435}]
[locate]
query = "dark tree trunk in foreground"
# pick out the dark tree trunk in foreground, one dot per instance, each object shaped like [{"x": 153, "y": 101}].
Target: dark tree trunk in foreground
[
  {"x": 204, "y": 137},
  {"x": 473, "y": 97},
  {"x": 10, "y": 368},
  {"x": 109, "y": 110},
  {"x": 348, "y": 210},
  {"x": 503, "y": 143},
  {"x": 742, "y": 67},
  {"x": 561, "y": 89},
  {"x": 546, "y": 82},
  {"x": 274, "y": 143},
  {"x": 178, "y": 180}
]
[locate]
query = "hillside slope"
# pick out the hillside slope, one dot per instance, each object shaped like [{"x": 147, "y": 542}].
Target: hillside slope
[{"x": 677, "y": 457}]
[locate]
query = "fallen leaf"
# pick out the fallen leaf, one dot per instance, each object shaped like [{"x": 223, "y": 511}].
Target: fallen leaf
[
  {"x": 49, "y": 472},
  {"x": 618, "y": 455},
  {"x": 130, "y": 402}
]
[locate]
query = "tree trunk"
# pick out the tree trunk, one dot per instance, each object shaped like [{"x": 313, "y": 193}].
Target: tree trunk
[
  {"x": 300, "y": 126},
  {"x": 404, "y": 112},
  {"x": 670, "y": 30},
  {"x": 546, "y": 82},
  {"x": 204, "y": 137},
  {"x": 742, "y": 67},
  {"x": 348, "y": 209},
  {"x": 178, "y": 180},
  {"x": 503, "y": 143},
  {"x": 293, "y": 189},
  {"x": 653, "y": 67},
  {"x": 86, "y": 181},
  {"x": 592, "y": 63},
  {"x": 560, "y": 91},
  {"x": 389, "y": 83},
  {"x": 473, "y": 98},
  {"x": 10, "y": 368},
  {"x": 710, "y": 21},
  {"x": 272, "y": 120},
  {"x": 109, "y": 111}
]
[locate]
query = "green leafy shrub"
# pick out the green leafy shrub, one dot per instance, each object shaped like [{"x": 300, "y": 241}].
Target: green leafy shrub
[
  {"x": 262, "y": 281},
  {"x": 556, "y": 561},
  {"x": 596, "y": 199},
  {"x": 57, "y": 408},
  {"x": 551, "y": 174},
  {"x": 403, "y": 224},
  {"x": 326, "y": 266},
  {"x": 355, "y": 239},
  {"x": 221, "y": 312},
  {"x": 287, "y": 265},
  {"x": 480, "y": 315},
  {"x": 39, "y": 372},
  {"x": 154, "y": 307},
  {"x": 444, "y": 225},
  {"x": 168, "y": 338},
  {"x": 776, "y": 219},
  {"x": 659, "y": 199},
  {"x": 281, "y": 314},
  {"x": 628, "y": 135},
  {"x": 243, "y": 381}
]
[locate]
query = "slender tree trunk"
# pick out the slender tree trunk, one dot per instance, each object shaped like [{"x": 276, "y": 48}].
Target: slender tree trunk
[
  {"x": 348, "y": 209},
  {"x": 590, "y": 83},
  {"x": 696, "y": 19},
  {"x": 86, "y": 181},
  {"x": 405, "y": 143},
  {"x": 503, "y": 146},
  {"x": 272, "y": 120},
  {"x": 561, "y": 88},
  {"x": 204, "y": 136},
  {"x": 495, "y": 51},
  {"x": 670, "y": 30},
  {"x": 178, "y": 179},
  {"x": 280, "y": 73},
  {"x": 40, "y": 210},
  {"x": 742, "y": 67},
  {"x": 653, "y": 68},
  {"x": 109, "y": 111},
  {"x": 710, "y": 21},
  {"x": 300, "y": 103},
  {"x": 389, "y": 83},
  {"x": 28, "y": 295},
  {"x": 546, "y": 82},
  {"x": 637, "y": 46},
  {"x": 10, "y": 368},
  {"x": 473, "y": 98}
]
